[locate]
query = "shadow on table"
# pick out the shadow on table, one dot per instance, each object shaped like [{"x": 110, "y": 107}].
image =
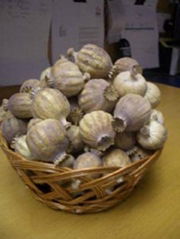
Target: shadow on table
[{"x": 161, "y": 76}]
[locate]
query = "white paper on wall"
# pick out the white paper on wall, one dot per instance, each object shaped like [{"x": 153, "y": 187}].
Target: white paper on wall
[
  {"x": 137, "y": 24},
  {"x": 144, "y": 47},
  {"x": 76, "y": 23},
  {"x": 141, "y": 30},
  {"x": 24, "y": 31},
  {"x": 116, "y": 20}
]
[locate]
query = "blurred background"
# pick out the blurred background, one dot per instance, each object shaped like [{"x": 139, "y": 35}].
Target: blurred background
[{"x": 33, "y": 33}]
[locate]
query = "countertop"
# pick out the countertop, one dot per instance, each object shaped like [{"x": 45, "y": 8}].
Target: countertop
[{"x": 151, "y": 211}]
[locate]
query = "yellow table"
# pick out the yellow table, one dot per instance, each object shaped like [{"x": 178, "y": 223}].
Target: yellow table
[{"x": 152, "y": 211}]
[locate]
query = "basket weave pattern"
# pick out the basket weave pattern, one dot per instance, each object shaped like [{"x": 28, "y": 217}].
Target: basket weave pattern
[{"x": 52, "y": 185}]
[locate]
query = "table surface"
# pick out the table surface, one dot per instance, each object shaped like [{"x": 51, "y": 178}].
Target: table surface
[{"x": 151, "y": 211}]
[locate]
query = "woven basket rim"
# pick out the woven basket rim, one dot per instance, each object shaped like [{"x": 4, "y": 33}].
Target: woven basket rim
[{"x": 48, "y": 165}]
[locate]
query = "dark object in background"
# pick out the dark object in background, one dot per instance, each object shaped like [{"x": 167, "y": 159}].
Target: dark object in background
[
  {"x": 139, "y": 2},
  {"x": 123, "y": 48},
  {"x": 170, "y": 41},
  {"x": 119, "y": 49},
  {"x": 169, "y": 27},
  {"x": 165, "y": 57},
  {"x": 172, "y": 26},
  {"x": 177, "y": 22},
  {"x": 80, "y": 1}
]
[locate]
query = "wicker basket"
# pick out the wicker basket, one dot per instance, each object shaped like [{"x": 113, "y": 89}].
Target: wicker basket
[{"x": 53, "y": 185}]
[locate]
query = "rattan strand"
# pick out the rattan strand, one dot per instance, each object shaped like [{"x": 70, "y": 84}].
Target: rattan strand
[{"x": 52, "y": 185}]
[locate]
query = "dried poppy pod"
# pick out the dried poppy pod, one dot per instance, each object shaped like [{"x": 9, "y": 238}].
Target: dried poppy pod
[
  {"x": 28, "y": 85},
  {"x": 87, "y": 160},
  {"x": 4, "y": 104},
  {"x": 20, "y": 146},
  {"x": 156, "y": 115},
  {"x": 124, "y": 64},
  {"x": 131, "y": 113},
  {"x": 84, "y": 161},
  {"x": 32, "y": 122},
  {"x": 92, "y": 97},
  {"x": 47, "y": 139},
  {"x": 75, "y": 141},
  {"x": 92, "y": 59},
  {"x": 4, "y": 112},
  {"x": 76, "y": 112},
  {"x": 64, "y": 160},
  {"x": 66, "y": 77},
  {"x": 153, "y": 94},
  {"x": 152, "y": 136},
  {"x": 50, "y": 103},
  {"x": 12, "y": 127},
  {"x": 125, "y": 140},
  {"x": 96, "y": 130},
  {"x": 20, "y": 105},
  {"x": 138, "y": 153},
  {"x": 130, "y": 82},
  {"x": 44, "y": 77},
  {"x": 117, "y": 158}
]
